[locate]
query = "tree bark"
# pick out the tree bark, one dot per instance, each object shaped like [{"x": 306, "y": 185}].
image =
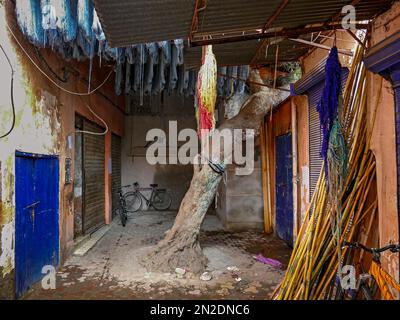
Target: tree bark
[{"x": 181, "y": 247}]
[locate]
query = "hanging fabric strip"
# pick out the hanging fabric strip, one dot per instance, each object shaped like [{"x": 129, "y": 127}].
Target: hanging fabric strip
[
  {"x": 328, "y": 105},
  {"x": 221, "y": 81}
]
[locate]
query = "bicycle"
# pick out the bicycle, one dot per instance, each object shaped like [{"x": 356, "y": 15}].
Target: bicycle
[
  {"x": 159, "y": 199},
  {"x": 376, "y": 278},
  {"x": 122, "y": 210}
]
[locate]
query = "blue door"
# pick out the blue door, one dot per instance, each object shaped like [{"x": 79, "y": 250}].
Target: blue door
[
  {"x": 36, "y": 220},
  {"x": 284, "y": 188}
]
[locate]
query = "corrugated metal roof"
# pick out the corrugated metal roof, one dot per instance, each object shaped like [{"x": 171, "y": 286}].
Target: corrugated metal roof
[
  {"x": 129, "y": 22},
  {"x": 224, "y": 16}
]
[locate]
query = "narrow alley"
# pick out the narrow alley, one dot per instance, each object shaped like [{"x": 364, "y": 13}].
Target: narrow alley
[
  {"x": 199, "y": 150},
  {"x": 112, "y": 269}
]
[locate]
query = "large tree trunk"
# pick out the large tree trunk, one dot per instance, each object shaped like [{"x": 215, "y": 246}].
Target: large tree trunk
[{"x": 181, "y": 247}]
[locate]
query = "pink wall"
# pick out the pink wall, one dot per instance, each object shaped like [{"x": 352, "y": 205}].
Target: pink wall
[{"x": 383, "y": 142}]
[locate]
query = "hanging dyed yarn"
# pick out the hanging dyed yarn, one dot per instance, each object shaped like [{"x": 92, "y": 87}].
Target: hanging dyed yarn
[
  {"x": 328, "y": 105},
  {"x": 206, "y": 92},
  {"x": 73, "y": 29},
  {"x": 334, "y": 148}
]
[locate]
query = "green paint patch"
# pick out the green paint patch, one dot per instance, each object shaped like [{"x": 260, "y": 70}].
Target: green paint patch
[
  {"x": 9, "y": 187},
  {"x": 18, "y": 117},
  {"x": 7, "y": 213}
]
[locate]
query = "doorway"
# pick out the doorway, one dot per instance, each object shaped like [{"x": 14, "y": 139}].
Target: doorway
[
  {"x": 36, "y": 218},
  {"x": 284, "y": 188}
]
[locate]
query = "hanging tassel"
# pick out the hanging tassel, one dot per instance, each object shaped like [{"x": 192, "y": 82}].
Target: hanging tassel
[
  {"x": 328, "y": 105},
  {"x": 206, "y": 92}
]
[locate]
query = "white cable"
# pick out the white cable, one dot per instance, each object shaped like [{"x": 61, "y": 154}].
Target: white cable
[
  {"x": 48, "y": 77},
  {"x": 94, "y": 133}
]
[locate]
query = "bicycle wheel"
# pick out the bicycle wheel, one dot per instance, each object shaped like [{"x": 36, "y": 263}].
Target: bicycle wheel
[
  {"x": 161, "y": 200},
  {"x": 133, "y": 202}
]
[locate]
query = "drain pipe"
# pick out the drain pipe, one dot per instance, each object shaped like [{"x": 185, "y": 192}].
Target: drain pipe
[{"x": 294, "y": 166}]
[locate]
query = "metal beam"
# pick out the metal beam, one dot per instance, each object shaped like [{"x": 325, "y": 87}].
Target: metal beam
[
  {"x": 321, "y": 46},
  {"x": 275, "y": 15},
  {"x": 268, "y": 24},
  {"x": 288, "y": 33},
  {"x": 195, "y": 17}
]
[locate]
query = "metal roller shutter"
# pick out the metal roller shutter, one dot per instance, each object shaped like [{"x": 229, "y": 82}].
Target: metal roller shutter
[
  {"x": 93, "y": 169},
  {"x": 315, "y": 135},
  {"x": 115, "y": 170}
]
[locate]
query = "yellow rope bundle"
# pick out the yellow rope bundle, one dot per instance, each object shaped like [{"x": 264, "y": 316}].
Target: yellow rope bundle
[{"x": 384, "y": 280}]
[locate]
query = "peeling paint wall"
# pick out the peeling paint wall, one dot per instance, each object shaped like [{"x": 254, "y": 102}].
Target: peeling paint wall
[
  {"x": 44, "y": 119},
  {"x": 383, "y": 143},
  {"x": 37, "y": 130},
  {"x": 303, "y": 162}
]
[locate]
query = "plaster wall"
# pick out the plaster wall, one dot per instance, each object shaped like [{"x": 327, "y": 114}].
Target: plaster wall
[
  {"x": 381, "y": 99},
  {"x": 136, "y": 168},
  {"x": 44, "y": 119}
]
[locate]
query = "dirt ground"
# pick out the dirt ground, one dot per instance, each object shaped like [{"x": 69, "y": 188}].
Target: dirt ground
[{"x": 111, "y": 269}]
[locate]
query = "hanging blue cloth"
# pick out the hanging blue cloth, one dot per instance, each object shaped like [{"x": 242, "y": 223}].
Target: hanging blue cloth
[
  {"x": 29, "y": 17},
  {"x": 192, "y": 83},
  {"x": 86, "y": 37},
  {"x": 159, "y": 78},
  {"x": 118, "y": 79},
  {"x": 130, "y": 54},
  {"x": 176, "y": 60},
  {"x": 72, "y": 29},
  {"x": 328, "y": 104},
  {"x": 165, "y": 51},
  {"x": 141, "y": 58},
  {"x": 221, "y": 81},
  {"x": 243, "y": 73},
  {"x": 152, "y": 60},
  {"x": 128, "y": 78},
  {"x": 69, "y": 20},
  {"x": 179, "y": 51}
]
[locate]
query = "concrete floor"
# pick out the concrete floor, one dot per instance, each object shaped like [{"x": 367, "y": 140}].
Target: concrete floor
[{"x": 111, "y": 269}]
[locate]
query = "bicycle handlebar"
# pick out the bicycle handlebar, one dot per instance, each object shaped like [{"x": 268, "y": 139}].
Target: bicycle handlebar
[{"x": 356, "y": 245}]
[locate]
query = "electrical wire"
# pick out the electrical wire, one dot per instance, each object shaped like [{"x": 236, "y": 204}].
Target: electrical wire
[
  {"x": 58, "y": 86},
  {"x": 98, "y": 117},
  {"x": 11, "y": 96},
  {"x": 44, "y": 62},
  {"x": 90, "y": 109},
  {"x": 51, "y": 80}
]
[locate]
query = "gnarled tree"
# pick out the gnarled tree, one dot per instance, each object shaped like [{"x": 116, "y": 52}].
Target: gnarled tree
[{"x": 181, "y": 246}]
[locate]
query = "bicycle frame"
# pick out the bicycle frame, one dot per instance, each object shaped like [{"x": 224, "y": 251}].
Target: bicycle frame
[
  {"x": 149, "y": 200},
  {"x": 363, "y": 284}
]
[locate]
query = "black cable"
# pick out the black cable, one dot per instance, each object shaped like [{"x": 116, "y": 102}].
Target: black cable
[
  {"x": 12, "y": 95},
  {"x": 48, "y": 67}
]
